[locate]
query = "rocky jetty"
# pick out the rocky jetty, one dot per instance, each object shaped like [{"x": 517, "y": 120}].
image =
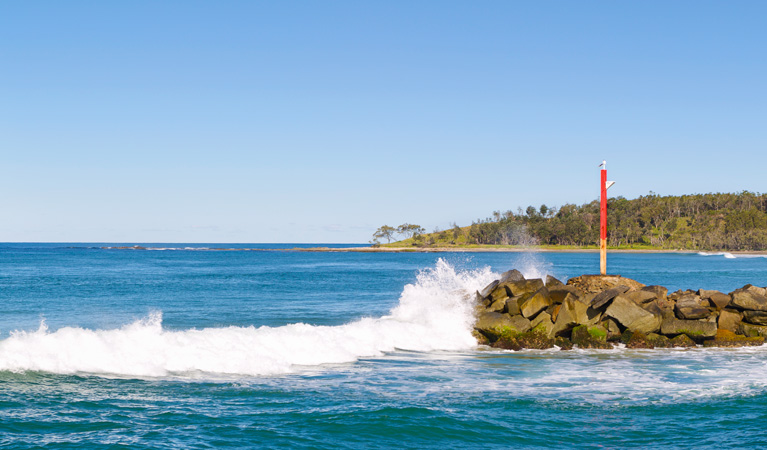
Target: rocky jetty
[{"x": 600, "y": 311}]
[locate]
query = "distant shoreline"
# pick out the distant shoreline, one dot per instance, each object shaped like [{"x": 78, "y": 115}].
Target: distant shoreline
[
  {"x": 321, "y": 249},
  {"x": 512, "y": 250}
]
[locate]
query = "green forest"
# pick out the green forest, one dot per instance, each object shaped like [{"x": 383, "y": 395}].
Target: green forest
[{"x": 692, "y": 222}]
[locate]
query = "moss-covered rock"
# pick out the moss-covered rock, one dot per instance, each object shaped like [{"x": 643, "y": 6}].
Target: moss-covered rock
[
  {"x": 563, "y": 343},
  {"x": 534, "y": 339},
  {"x": 481, "y": 338},
  {"x": 683, "y": 341},
  {"x": 726, "y": 338},
  {"x": 590, "y": 337},
  {"x": 637, "y": 339},
  {"x": 659, "y": 341}
]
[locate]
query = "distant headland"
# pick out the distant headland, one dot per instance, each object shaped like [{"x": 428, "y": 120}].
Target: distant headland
[{"x": 698, "y": 222}]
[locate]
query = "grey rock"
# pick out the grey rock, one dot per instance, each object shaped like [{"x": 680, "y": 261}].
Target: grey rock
[
  {"x": 640, "y": 296},
  {"x": 571, "y": 313},
  {"x": 489, "y": 288},
  {"x": 499, "y": 293},
  {"x": 613, "y": 330},
  {"x": 603, "y": 297},
  {"x": 749, "y": 330},
  {"x": 551, "y": 282},
  {"x": 695, "y": 329},
  {"x": 520, "y": 324},
  {"x": 558, "y": 293},
  {"x": 513, "y": 276},
  {"x": 631, "y": 316},
  {"x": 755, "y": 317},
  {"x": 543, "y": 323},
  {"x": 748, "y": 300},
  {"x": 689, "y": 307},
  {"x": 659, "y": 291},
  {"x": 497, "y": 306},
  {"x": 523, "y": 287},
  {"x": 719, "y": 300}
]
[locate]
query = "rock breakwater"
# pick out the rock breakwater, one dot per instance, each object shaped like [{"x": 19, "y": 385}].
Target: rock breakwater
[{"x": 600, "y": 311}]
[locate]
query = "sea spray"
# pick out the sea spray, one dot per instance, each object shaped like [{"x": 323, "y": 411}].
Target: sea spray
[{"x": 435, "y": 313}]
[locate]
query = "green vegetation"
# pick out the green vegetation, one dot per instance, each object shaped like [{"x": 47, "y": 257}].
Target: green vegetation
[{"x": 691, "y": 222}]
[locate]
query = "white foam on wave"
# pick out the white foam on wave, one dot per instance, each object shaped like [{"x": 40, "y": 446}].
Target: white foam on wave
[
  {"x": 731, "y": 256},
  {"x": 725, "y": 254},
  {"x": 435, "y": 313}
]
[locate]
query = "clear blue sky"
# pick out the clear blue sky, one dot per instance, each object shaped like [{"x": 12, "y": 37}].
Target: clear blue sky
[{"x": 283, "y": 121}]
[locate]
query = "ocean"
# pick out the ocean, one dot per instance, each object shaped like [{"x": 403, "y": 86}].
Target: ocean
[{"x": 179, "y": 346}]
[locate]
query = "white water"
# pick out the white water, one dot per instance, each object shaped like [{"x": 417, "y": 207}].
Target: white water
[
  {"x": 435, "y": 313},
  {"x": 731, "y": 256}
]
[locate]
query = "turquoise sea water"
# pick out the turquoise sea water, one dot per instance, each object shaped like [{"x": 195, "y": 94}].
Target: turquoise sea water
[{"x": 191, "y": 348}]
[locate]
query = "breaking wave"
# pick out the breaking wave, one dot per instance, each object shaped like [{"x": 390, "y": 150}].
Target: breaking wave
[
  {"x": 728, "y": 255},
  {"x": 435, "y": 313}
]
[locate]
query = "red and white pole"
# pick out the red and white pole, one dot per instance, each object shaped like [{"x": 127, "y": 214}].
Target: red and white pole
[{"x": 603, "y": 219}]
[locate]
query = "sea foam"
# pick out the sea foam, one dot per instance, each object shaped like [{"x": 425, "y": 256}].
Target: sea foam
[{"x": 435, "y": 313}]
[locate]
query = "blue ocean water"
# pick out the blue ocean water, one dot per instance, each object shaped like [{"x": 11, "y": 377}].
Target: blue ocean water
[{"x": 192, "y": 348}]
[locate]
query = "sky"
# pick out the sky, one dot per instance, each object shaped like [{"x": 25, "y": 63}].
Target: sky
[{"x": 298, "y": 121}]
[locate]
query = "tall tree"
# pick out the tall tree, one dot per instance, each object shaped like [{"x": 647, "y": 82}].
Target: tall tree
[{"x": 385, "y": 232}]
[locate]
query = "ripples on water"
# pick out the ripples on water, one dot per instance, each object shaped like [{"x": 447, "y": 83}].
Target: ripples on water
[{"x": 406, "y": 376}]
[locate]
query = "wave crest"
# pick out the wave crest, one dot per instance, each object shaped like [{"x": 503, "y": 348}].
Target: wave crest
[{"x": 435, "y": 313}]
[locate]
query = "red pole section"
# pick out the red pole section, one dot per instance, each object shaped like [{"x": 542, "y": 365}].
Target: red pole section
[
  {"x": 603, "y": 205},
  {"x": 603, "y": 221}
]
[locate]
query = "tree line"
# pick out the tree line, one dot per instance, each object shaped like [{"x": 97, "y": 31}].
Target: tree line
[{"x": 694, "y": 222}]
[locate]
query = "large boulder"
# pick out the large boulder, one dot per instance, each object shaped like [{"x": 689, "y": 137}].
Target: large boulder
[
  {"x": 631, "y": 316},
  {"x": 498, "y": 306},
  {"x": 725, "y": 338},
  {"x": 543, "y": 323},
  {"x": 599, "y": 283},
  {"x": 494, "y": 325},
  {"x": 551, "y": 282},
  {"x": 682, "y": 341},
  {"x": 499, "y": 294},
  {"x": 484, "y": 293},
  {"x": 605, "y": 296},
  {"x": 749, "y": 330},
  {"x": 513, "y": 275},
  {"x": 585, "y": 336},
  {"x": 512, "y": 306},
  {"x": 689, "y": 307},
  {"x": 729, "y": 320},
  {"x": 517, "y": 288},
  {"x": 570, "y": 314},
  {"x": 640, "y": 296},
  {"x": 536, "y": 303},
  {"x": 755, "y": 317},
  {"x": 748, "y": 299},
  {"x": 659, "y": 291},
  {"x": 694, "y": 329},
  {"x": 719, "y": 300},
  {"x": 558, "y": 293}
]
